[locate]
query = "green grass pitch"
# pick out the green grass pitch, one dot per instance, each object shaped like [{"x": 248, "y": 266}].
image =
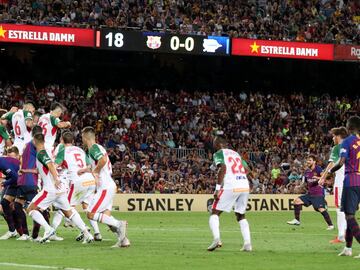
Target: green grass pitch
[{"x": 179, "y": 241}]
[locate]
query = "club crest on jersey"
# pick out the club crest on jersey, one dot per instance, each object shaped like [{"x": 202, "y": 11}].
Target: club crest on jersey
[
  {"x": 153, "y": 42},
  {"x": 343, "y": 150}
]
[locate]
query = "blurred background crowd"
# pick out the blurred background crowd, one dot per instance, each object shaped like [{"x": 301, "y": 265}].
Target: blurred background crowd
[
  {"x": 161, "y": 142},
  {"x": 329, "y": 21}
]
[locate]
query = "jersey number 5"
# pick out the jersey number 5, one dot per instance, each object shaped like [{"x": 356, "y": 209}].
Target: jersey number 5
[
  {"x": 236, "y": 166},
  {"x": 79, "y": 161}
]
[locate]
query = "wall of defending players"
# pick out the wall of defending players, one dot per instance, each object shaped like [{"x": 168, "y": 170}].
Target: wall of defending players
[{"x": 201, "y": 202}]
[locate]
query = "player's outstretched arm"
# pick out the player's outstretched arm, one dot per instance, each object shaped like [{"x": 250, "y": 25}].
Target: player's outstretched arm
[
  {"x": 338, "y": 165},
  {"x": 325, "y": 173},
  {"x": 64, "y": 124},
  {"x": 53, "y": 171}
]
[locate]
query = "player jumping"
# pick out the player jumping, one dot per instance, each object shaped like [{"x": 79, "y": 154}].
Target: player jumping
[
  {"x": 339, "y": 134},
  {"x": 350, "y": 156},
  {"x": 100, "y": 207},
  {"x": 315, "y": 195},
  {"x": 232, "y": 189}
]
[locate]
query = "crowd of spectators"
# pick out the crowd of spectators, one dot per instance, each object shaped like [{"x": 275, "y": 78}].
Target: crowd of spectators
[
  {"x": 330, "y": 21},
  {"x": 161, "y": 142}
]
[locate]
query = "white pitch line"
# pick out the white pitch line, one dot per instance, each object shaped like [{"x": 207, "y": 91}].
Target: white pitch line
[{"x": 40, "y": 266}]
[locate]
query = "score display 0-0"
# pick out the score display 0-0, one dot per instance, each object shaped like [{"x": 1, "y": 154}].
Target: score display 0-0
[{"x": 113, "y": 39}]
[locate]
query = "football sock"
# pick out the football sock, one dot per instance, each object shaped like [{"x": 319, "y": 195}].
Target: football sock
[
  {"x": 95, "y": 226},
  {"x": 341, "y": 224},
  {"x": 39, "y": 218},
  {"x": 108, "y": 220},
  {"x": 35, "y": 230},
  {"x": 76, "y": 219},
  {"x": 348, "y": 237},
  {"x": 327, "y": 218},
  {"x": 17, "y": 221},
  {"x": 58, "y": 216},
  {"x": 21, "y": 218},
  {"x": 297, "y": 209},
  {"x": 214, "y": 226},
  {"x": 8, "y": 214},
  {"x": 245, "y": 231},
  {"x": 354, "y": 227}
]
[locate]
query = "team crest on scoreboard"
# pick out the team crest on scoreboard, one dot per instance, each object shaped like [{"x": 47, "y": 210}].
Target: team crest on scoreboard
[{"x": 153, "y": 42}]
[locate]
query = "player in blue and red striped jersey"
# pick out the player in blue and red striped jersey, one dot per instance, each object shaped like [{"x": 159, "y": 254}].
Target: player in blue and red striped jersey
[
  {"x": 350, "y": 156},
  {"x": 9, "y": 166}
]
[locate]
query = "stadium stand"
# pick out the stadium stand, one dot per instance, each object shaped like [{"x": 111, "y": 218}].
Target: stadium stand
[{"x": 327, "y": 21}]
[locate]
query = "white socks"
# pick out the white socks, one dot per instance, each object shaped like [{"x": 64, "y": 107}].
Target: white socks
[
  {"x": 108, "y": 220},
  {"x": 38, "y": 217},
  {"x": 214, "y": 226},
  {"x": 95, "y": 226},
  {"x": 341, "y": 223},
  {"x": 245, "y": 231},
  {"x": 58, "y": 216},
  {"x": 76, "y": 219}
]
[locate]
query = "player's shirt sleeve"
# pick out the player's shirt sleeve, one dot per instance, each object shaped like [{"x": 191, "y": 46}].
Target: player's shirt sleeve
[
  {"x": 44, "y": 158},
  {"x": 335, "y": 154},
  {"x": 219, "y": 158},
  {"x": 7, "y": 116},
  {"x": 4, "y": 133},
  {"x": 319, "y": 170},
  {"x": 87, "y": 160},
  {"x": 28, "y": 115},
  {"x": 11, "y": 174},
  {"x": 95, "y": 152},
  {"x": 345, "y": 149},
  {"x": 60, "y": 157},
  {"x": 54, "y": 121}
]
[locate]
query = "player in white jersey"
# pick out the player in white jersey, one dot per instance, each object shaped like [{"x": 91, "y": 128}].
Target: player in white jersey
[
  {"x": 53, "y": 193},
  {"x": 232, "y": 190},
  {"x": 82, "y": 187},
  {"x": 22, "y": 123},
  {"x": 100, "y": 207},
  {"x": 50, "y": 123},
  {"x": 339, "y": 134}
]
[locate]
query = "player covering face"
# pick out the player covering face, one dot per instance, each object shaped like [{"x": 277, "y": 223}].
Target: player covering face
[{"x": 232, "y": 190}]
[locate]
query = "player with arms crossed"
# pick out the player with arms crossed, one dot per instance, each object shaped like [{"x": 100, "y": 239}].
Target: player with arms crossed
[
  {"x": 50, "y": 123},
  {"x": 232, "y": 190},
  {"x": 53, "y": 193},
  {"x": 350, "y": 156},
  {"x": 315, "y": 195},
  {"x": 9, "y": 166},
  {"x": 100, "y": 207},
  {"x": 339, "y": 134},
  {"x": 82, "y": 183},
  {"x": 22, "y": 123}
]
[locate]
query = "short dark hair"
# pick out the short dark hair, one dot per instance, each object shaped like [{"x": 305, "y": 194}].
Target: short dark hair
[
  {"x": 36, "y": 130},
  {"x": 39, "y": 138},
  {"x": 88, "y": 130},
  {"x": 220, "y": 140},
  {"x": 13, "y": 149},
  {"x": 2, "y": 112},
  {"x": 37, "y": 113},
  {"x": 68, "y": 137},
  {"x": 353, "y": 124},
  {"x": 313, "y": 157},
  {"x": 339, "y": 131},
  {"x": 57, "y": 105}
]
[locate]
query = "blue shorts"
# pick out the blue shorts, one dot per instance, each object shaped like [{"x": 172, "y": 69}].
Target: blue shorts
[
  {"x": 11, "y": 191},
  {"x": 316, "y": 201},
  {"x": 26, "y": 193},
  {"x": 350, "y": 200}
]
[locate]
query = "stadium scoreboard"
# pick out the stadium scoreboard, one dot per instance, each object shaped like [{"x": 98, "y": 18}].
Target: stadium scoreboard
[{"x": 112, "y": 39}]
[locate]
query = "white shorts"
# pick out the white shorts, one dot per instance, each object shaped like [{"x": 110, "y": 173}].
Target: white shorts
[
  {"x": 20, "y": 144},
  {"x": 229, "y": 199},
  {"x": 82, "y": 192},
  {"x": 102, "y": 200},
  {"x": 337, "y": 196},
  {"x": 45, "y": 199}
]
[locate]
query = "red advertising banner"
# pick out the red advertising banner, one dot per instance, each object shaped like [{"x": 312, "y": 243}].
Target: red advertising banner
[
  {"x": 347, "y": 52},
  {"x": 282, "y": 49},
  {"x": 46, "y": 35}
]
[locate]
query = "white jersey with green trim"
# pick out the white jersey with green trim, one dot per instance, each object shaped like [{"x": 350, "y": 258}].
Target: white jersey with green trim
[
  {"x": 235, "y": 176},
  {"x": 96, "y": 152},
  {"x": 49, "y": 126},
  {"x": 42, "y": 161},
  {"x": 73, "y": 158},
  {"x": 4, "y": 135},
  {"x": 21, "y": 132}
]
